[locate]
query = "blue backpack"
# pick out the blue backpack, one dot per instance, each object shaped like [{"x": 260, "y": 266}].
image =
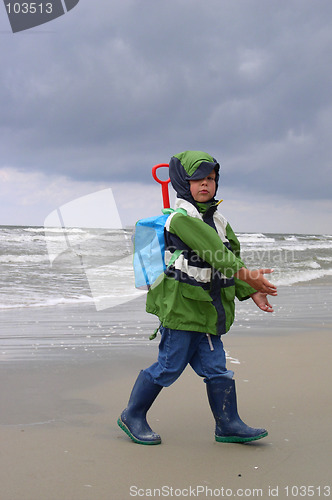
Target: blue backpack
[{"x": 149, "y": 248}]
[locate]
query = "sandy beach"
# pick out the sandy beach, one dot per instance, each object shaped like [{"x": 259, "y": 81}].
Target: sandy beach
[{"x": 60, "y": 440}]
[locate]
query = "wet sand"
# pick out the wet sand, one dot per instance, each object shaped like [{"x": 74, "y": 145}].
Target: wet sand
[{"x": 60, "y": 440}]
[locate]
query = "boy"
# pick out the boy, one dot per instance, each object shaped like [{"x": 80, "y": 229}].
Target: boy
[{"x": 194, "y": 300}]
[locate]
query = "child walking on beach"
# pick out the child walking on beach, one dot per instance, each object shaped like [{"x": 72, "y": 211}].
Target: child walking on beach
[{"x": 194, "y": 300}]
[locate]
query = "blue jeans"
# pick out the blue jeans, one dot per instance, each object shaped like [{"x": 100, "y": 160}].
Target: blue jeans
[{"x": 177, "y": 348}]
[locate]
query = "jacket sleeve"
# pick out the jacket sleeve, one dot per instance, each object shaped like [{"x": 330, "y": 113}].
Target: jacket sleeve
[
  {"x": 204, "y": 241},
  {"x": 242, "y": 289}
]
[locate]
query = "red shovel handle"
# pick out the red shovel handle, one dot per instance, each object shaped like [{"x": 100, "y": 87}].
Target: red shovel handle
[{"x": 164, "y": 184}]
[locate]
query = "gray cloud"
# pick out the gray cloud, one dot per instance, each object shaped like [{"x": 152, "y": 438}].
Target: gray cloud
[{"x": 112, "y": 88}]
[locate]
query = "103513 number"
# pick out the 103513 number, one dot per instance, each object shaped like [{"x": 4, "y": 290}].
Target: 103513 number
[
  {"x": 29, "y": 8},
  {"x": 307, "y": 491}
]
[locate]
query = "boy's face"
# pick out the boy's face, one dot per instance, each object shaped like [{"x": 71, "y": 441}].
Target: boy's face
[{"x": 204, "y": 189}]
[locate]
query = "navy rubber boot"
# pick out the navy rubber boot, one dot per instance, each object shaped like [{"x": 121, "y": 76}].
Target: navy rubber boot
[
  {"x": 229, "y": 426},
  {"x": 133, "y": 419}
]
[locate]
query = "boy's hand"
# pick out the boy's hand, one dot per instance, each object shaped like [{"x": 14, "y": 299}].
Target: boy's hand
[
  {"x": 261, "y": 301},
  {"x": 256, "y": 279}
]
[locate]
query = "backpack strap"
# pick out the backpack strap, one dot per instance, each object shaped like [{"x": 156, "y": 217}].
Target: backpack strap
[
  {"x": 175, "y": 255},
  {"x": 171, "y": 210},
  {"x": 177, "y": 252}
]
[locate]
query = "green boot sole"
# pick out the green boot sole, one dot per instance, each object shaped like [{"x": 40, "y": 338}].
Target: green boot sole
[
  {"x": 238, "y": 439},
  {"x": 138, "y": 441}
]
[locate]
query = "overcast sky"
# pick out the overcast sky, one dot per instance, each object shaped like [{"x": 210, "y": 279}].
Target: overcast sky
[{"x": 95, "y": 98}]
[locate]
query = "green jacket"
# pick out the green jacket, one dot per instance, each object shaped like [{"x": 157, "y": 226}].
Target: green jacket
[{"x": 197, "y": 291}]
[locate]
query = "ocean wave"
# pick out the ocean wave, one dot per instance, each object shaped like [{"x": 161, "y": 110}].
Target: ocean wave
[
  {"x": 313, "y": 237},
  {"x": 49, "y": 302},
  {"x": 313, "y": 264},
  {"x": 15, "y": 238},
  {"x": 254, "y": 238},
  {"x": 308, "y": 246},
  {"x": 291, "y": 278},
  {"x": 10, "y": 259},
  {"x": 289, "y": 246},
  {"x": 54, "y": 229},
  {"x": 325, "y": 258}
]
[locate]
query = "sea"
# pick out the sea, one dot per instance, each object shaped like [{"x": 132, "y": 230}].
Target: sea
[{"x": 73, "y": 289}]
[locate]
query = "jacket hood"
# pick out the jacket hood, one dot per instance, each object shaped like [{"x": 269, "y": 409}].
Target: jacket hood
[{"x": 189, "y": 166}]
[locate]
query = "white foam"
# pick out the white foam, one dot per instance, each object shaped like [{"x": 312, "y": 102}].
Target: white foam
[
  {"x": 291, "y": 238},
  {"x": 254, "y": 238},
  {"x": 301, "y": 247},
  {"x": 325, "y": 259},
  {"x": 53, "y": 229},
  {"x": 290, "y": 278},
  {"x": 313, "y": 265},
  {"x": 6, "y": 259},
  {"x": 49, "y": 302}
]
